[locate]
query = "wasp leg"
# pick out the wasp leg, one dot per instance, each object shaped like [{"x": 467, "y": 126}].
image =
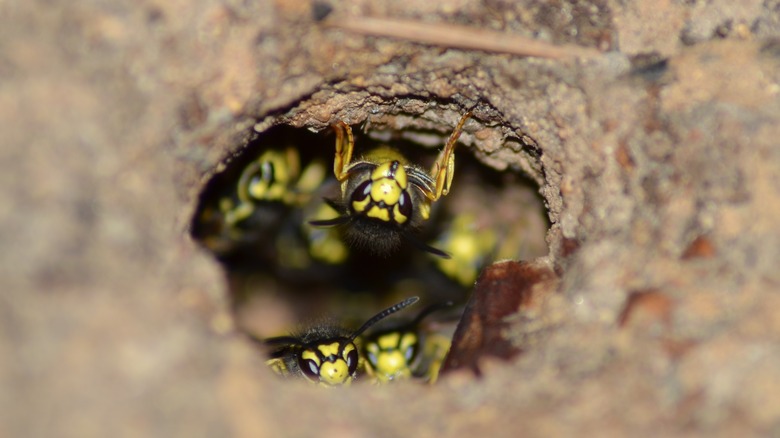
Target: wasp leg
[
  {"x": 311, "y": 178},
  {"x": 293, "y": 161},
  {"x": 245, "y": 207},
  {"x": 278, "y": 366},
  {"x": 343, "y": 150},
  {"x": 434, "y": 352},
  {"x": 444, "y": 168}
]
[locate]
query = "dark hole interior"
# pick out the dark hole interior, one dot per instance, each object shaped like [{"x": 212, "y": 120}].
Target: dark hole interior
[{"x": 277, "y": 283}]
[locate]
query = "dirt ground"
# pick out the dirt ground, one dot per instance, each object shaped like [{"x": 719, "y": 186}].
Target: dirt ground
[{"x": 655, "y": 151}]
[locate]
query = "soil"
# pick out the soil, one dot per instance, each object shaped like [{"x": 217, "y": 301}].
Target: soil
[{"x": 650, "y": 312}]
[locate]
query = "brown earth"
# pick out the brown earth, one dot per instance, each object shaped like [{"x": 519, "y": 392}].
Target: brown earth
[{"x": 657, "y": 159}]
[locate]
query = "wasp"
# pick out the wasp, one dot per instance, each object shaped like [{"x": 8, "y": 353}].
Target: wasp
[
  {"x": 261, "y": 198},
  {"x": 404, "y": 351},
  {"x": 260, "y": 215},
  {"x": 384, "y": 198},
  {"x": 470, "y": 248},
  {"x": 275, "y": 176},
  {"x": 326, "y": 355}
]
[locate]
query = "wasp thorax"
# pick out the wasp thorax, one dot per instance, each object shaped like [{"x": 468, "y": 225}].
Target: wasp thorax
[{"x": 384, "y": 196}]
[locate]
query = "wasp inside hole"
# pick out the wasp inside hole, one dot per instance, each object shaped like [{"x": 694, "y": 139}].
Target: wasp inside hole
[
  {"x": 384, "y": 198},
  {"x": 240, "y": 212},
  {"x": 406, "y": 350},
  {"x": 251, "y": 213},
  {"x": 326, "y": 355}
]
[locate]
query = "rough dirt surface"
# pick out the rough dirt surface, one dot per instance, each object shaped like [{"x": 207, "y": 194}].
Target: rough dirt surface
[{"x": 658, "y": 161}]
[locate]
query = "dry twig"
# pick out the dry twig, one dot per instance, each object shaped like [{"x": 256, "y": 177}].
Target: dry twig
[{"x": 457, "y": 36}]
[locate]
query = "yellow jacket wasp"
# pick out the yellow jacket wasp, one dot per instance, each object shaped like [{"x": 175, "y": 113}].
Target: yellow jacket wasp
[
  {"x": 327, "y": 355},
  {"x": 384, "y": 198},
  {"x": 248, "y": 209},
  {"x": 405, "y": 351}
]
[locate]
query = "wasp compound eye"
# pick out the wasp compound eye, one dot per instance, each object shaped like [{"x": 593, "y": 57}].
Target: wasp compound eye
[
  {"x": 309, "y": 363},
  {"x": 351, "y": 357}
]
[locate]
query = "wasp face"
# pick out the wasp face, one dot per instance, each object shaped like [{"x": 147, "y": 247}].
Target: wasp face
[
  {"x": 384, "y": 204},
  {"x": 392, "y": 354},
  {"x": 329, "y": 363},
  {"x": 255, "y": 205},
  {"x": 384, "y": 195},
  {"x": 405, "y": 351},
  {"x": 270, "y": 177},
  {"x": 324, "y": 355}
]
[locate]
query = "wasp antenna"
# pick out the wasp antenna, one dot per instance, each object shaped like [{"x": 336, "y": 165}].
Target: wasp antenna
[
  {"x": 256, "y": 340},
  {"x": 430, "y": 309},
  {"x": 341, "y": 220},
  {"x": 332, "y": 203},
  {"x": 276, "y": 340},
  {"x": 425, "y": 247},
  {"x": 384, "y": 314}
]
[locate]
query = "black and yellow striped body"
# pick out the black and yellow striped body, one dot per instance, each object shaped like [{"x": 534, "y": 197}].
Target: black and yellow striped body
[
  {"x": 325, "y": 354},
  {"x": 405, "y": 351},
  {"x": 255, "y": 203},
  {"x": 261, "y": 214},
  {"x": 470, "y": 248},
  {"x": 391, "y": 355},
  {"x": 384, "y": 198}
]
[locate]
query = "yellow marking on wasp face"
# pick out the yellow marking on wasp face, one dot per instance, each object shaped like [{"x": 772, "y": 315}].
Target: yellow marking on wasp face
[
  {"x": 335, "y": 373},
  {"x": 401, "y": 178},
  {"x": 379, "y": 213},
  {"x": 399, "y": 217},
  {"x": 387, "y": 190},
  {"x": 392, "y": 170},
  {"x": 408, "y": 340},
  {"x": 360, "y": 206},
  {"x": 310, "y": 355},
  {"x": 389, "y": 180},
  {"x": 329, "y": 349},
  {"x": 392, "y": 364},
  {"x": 389, "y": 340}
]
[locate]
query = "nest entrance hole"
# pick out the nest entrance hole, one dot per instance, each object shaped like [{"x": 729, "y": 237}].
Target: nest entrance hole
[{"x": 276, "y": 285}]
